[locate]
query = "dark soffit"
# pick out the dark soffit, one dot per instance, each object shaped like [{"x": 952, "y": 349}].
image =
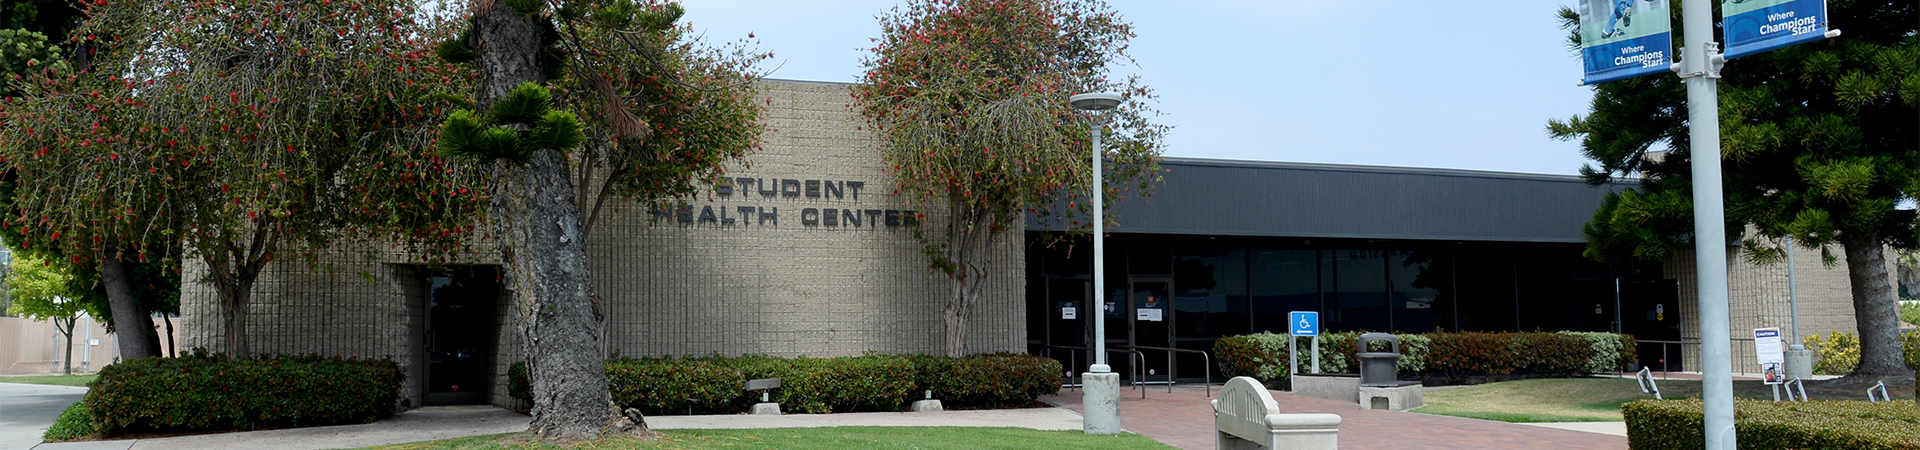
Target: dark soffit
[{"x": 1258, "y": 198}]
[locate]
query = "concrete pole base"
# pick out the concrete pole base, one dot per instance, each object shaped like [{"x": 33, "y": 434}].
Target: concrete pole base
[
  {"x": 1100, "y": 397},
  {"x": 769, "y": 408},
  {"x": 928, "y": 405},
  {"x": 1799, "y": 362}
]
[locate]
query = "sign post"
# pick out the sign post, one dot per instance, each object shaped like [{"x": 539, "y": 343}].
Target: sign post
[
  {"x": 1614, "y": 47},
  {"x": 1302, "y": 323}
]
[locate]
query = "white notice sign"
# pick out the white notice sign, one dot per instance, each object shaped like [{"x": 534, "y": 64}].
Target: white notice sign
[
  {"x": 1766, "y": 346},
  {"x": 1069, "y": 312},
  {"x": 1149, "y": 315}
]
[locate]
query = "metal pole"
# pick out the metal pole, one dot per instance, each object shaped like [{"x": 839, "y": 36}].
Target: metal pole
[
  {"x": 1793, "y": 294},
  {"x": 1099, "y": 260},
  {"x": 1701, "y": 71}
]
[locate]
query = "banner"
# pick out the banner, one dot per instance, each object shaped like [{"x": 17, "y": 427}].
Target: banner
[
  {"x": 1625, "y": 38},
  {"x": 1754, "y": 26}
]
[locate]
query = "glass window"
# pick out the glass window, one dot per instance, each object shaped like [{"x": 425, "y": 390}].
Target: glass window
[
  {"x": 1210, "y": 292},
  {"x": 1485, "y": 285},
  {"x": 1420, "y": 278},
  {"x": 1280, "y": 281},
  {"x": 1361, "y": 280}
]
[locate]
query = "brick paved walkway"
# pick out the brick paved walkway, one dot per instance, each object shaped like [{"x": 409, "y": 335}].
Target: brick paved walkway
[{"x": 1184, "y": 419}]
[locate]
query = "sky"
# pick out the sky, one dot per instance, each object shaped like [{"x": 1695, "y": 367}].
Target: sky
[{"x": 1386, "y": 83}]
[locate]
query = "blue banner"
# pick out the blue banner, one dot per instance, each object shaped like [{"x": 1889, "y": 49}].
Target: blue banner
[
  {"x": 1759, "y": 25},
  {"x": 1625, "y": 38}
]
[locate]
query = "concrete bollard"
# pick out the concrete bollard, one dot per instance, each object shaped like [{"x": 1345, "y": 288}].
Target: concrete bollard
[{"x": 1100, "y": 398}]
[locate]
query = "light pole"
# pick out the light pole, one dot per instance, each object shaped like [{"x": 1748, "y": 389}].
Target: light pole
[{"x": 1100, "y": 387}]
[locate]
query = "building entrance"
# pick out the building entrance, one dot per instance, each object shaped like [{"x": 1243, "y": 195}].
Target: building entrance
[
  {"x": 459, "y": 334},
  {"x": 1149, "y": 319}
]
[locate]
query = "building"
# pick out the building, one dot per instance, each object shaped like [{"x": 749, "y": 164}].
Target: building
[{"x": 805, "y": 254}]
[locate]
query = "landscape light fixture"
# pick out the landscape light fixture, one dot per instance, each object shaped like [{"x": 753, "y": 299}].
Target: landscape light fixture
[{"x": 1100, "y": 386}]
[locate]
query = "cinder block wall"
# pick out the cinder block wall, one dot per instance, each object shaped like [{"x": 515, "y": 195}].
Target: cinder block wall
[
  {"x": 1758, "y": 297},
  {"x": 785, "y": 287}
]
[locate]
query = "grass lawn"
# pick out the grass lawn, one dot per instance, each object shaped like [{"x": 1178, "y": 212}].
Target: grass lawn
[
  {"x": 1563, "y": 399},
  {"x": 831, "y": 438},
  {"x": 61, "y": 380}
]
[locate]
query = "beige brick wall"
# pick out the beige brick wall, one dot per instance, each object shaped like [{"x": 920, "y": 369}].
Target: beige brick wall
[
  {"x": 783, "y": 288},
  {"x": 1758, "y": 297}
]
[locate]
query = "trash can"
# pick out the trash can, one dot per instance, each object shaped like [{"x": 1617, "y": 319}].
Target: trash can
[{"x": 1379, "y": 369}]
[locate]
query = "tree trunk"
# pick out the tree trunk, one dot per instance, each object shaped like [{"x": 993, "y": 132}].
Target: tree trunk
[
  {"x": 1875, "y": 312},
  {"x": 68, "y": 331},
  {"x": 539, "y": 230},
  {"x": 172, "y": 350},
  {"x": 969, "y": 250},
  {"x": 132, "y": 325},
  {"x": 547, "y": 272},
  {"x": 234, "y": 288}
]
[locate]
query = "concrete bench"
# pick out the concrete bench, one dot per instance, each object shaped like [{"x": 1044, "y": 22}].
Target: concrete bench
[{"x": 1246, "y": 417}]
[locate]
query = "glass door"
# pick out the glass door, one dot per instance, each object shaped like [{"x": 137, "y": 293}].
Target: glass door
[
  {"x": 459, "y": 327},
  {"x": 1150, "y": 324}
]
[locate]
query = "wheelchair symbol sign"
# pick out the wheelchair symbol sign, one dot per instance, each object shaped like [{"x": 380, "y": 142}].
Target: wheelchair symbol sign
[{"x": 1304, "y": 323}]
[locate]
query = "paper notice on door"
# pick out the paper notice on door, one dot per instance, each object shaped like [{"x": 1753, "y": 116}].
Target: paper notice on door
[
  {"x": 1069, "y": 312},
  {"x": 1149, "y": 315}
]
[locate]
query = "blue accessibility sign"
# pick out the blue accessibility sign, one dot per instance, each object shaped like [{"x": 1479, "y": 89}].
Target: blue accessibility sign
[{"x": 1304, "y": 323}]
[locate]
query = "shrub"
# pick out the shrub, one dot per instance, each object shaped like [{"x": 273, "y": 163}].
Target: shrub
[
  {"x": 714, "y": 383},
  {"x": 669, "y": 385},
  {"x": 1451, "y": 355},
  {"x": 986, "y": 380},
  {"x": 199, "y": 391},
  {"x": 1678, "y": 424},
  {"x": 1607, "y": 352},
  {"x": 1261, "y": 355},
  {"x": 74, "y": 423},
  {"x": 1836, "y": 354}
]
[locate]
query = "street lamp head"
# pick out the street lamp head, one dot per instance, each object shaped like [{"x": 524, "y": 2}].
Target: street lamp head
[{"x": 1097, "y": 101}]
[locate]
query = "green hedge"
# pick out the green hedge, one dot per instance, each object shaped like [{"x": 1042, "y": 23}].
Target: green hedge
[
  {"x": 713, "y": 384},
  {"x": 1850, "y": 425},
  {"x": 199, "y": 391},
  {"x": 1450, "y": 355}
]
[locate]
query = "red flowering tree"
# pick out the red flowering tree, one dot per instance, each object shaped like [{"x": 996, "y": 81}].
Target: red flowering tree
[
  {"x": 970, "y": 100},
  {"x": 242, "y": 131},
  {"x": 577, "y": 102}
]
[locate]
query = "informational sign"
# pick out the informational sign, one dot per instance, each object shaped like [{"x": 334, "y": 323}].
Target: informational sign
[
  {"x": 1148, "y": 314},
  {"x": 1766, "y": 347},
  {"x": 1304, "y": 323},
  {"x": 1069, "y": 313},
  {"x": 1625, "y": 38},
  {"x": 1759, "y": 25}
]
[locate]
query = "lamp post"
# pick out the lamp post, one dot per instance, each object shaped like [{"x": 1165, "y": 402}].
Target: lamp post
[{"x": 1100, "y": 386}]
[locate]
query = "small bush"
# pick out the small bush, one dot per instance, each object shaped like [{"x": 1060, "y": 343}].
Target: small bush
[
  {"x": 199, "y": 391},
  {"x": 74, "y": 423},
  {"x": 1850, "y": 425}
]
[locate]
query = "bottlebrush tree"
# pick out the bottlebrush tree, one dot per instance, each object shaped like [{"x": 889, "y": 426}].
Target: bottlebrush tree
[
  {"x": 578, "y": 102},
  {"x": 970, "y": 98},
  {"x": 240, "y": 131}
]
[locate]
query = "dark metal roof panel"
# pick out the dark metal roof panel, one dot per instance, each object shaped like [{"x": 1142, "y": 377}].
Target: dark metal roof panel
[{"x": 1245, "y": 198}]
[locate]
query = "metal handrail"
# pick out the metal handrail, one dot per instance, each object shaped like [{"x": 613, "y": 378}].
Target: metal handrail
[
  {"x": 1138, "y": 369},
  {"x": 1664, "y": 364},
  {"x": 1204, "y": 359}
]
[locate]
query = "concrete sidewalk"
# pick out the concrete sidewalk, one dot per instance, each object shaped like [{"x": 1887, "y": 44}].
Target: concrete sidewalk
[{"x": 26, "y": 410}]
